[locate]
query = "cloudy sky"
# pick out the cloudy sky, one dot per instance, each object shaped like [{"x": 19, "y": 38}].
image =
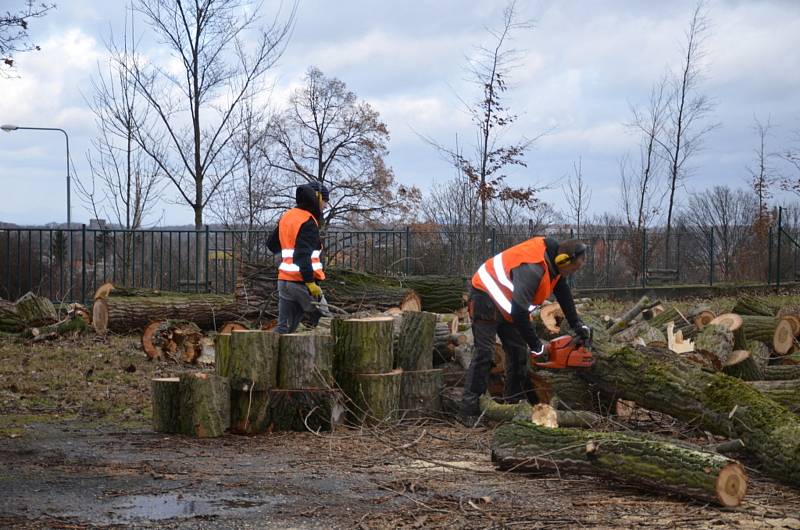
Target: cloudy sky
[{"x": 585, "y": 63}]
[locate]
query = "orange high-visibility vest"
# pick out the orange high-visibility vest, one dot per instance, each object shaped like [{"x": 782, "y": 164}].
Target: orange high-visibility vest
[
  {"x": 493, "y": 277},
  {"x": 288, "y": 229}
]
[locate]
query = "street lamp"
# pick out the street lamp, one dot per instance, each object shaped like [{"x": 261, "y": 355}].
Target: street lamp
[{"x": 9, "y": 128}]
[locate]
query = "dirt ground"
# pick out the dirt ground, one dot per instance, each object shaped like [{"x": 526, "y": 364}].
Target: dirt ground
[{"x": 76, "y": 451}]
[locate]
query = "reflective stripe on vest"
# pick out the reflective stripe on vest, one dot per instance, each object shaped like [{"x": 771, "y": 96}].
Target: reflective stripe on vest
[
  {"x": 493, "y": 276},
  {"x": 288, "y": 230}
]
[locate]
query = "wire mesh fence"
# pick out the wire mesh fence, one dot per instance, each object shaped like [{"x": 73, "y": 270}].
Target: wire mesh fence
[{"x": 69, "y": 264}]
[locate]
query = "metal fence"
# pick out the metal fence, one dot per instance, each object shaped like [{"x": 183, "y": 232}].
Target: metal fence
[{"x": 69, "y": 264}]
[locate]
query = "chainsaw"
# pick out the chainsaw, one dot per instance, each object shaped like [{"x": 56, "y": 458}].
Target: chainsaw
[{"x": 567, "y": 352}]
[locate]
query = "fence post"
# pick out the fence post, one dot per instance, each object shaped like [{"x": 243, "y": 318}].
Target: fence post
[
  {"x": 407, "y": 267},
  {"x": 83, "y": 263},
  {"x": 711, "y": 257},
  {"x": 205, "y": 280},
  {"x": 769, "y": 256},
  {"x": 778, "y": 257},
  {"x": 644, "y": 257}
]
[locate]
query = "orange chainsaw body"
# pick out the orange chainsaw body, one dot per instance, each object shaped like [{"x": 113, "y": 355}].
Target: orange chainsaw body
[{"x": 566, "y": 352}]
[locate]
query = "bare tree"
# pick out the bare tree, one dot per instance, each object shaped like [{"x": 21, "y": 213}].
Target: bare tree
[
  {"x": 791, "y": 155},
  {"x": 578, "y": 197},
  {"x": 222, "y": 54},
  {"x": 688, "y": 108},
  {"x": 14, "y": 33},
  {"x": 486, "y": 166},
  {"x": 327, "y": 135},
  {"x": 641, "y": 193},
  {"x": 727, "y": 216},
  {"x": 128, "y": 178},
  {"x": 762, "y": 174}
]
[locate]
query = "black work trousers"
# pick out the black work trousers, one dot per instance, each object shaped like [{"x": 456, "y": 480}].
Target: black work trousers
[{"x": 487, "y": 324}]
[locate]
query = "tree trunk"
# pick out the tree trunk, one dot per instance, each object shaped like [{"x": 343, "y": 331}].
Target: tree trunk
[
  {"x": 718, "y": 341},
  {"x": 71, "y": 326},
  {"x": 439, "y": 294},
  {"x": 781, "y": 372},
  {"x": 759, "y": 327},
  {"x": 655, "y": 465},
  {"x": 123, "y": 314},
  {"x": 566, "y": 389},
  {"x": 306, "y": 361},
  {"x": 249, "y": 411},
  {"x": 415, "y": 341},
  {"x": 10, "y": 320},
  {"x": 501, "y": 413},
  {"x": 375, "y": 397},
  {"x": 253, "y": 361},
  {"x": 36, "y": 310},
  {"x": 657, "y": 380},
  {"x": 420, "y": 393},
  {"x": 313, "y": 409},
  {"x": 205, "y": 405},
  {"x": 166, "y": 404},
  {"x": 787, "y": 392},
  {"x": 362, "y": 345},
  {"x": 753, "y": 305},
  {"x": 222, "y": 354},
  {"x": 629, "y": 315},
  {"x": 642, "y": 333}
]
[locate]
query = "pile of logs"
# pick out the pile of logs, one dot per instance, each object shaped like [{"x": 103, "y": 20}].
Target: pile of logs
[{"x": 35, "y": 318}]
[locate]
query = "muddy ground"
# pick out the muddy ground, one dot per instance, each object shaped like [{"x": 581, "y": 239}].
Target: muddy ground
[{"x": 76, "y": 451}]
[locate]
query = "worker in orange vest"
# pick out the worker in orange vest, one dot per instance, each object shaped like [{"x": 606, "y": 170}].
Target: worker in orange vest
[
  {"x": 505, "y": 290},
  {"x": 297, "y": 239}
]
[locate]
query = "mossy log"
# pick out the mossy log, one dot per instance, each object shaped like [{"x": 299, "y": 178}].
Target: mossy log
[
  {"x": 313, "y": 409},
  {"x": 253, "y": 360},
  {"x": 439, "y": 294},
  {"x": 71, "y": 326},
  {"x": 656, "y": 465},
  {"x": 420, "y": 393},
  {"x": 501, "y": 413},
  {"x": 36, "y": 310},
  {"x": 781, "y": 372},
  {"x": 567, "y": 390},
  {"x": 414, "y": 349},
  {"x": 753, "y": 305},
  {"x": 759, "y": 327},
  {"x": 718, "y": 341},
  {"x": 787, "y": 392},
  {"x": 124, "y": 314},
  {"x": 306, "y": 361},
  {"x": 222, "y": 354},
  {"x": 642, "y": 333},
  {"x": 10, "y": 320},
  {"x": 362, "y": 345},
  {"x": 249, "y": 411},
  {"x": 655, "y": 379},
  {"x": 752, "y": 368},
  {"x": 375, "y": 398},
  {"x": 165, "y": 392},
  {"x": 625, "y": 320},
  {"x": 205, "y": 405}
]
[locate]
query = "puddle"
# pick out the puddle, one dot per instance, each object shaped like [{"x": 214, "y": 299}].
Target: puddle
[{"x": 170, "y": 506}]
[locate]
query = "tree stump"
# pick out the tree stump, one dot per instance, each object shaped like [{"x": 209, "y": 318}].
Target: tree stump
[
  {"x": 656, "y": 465},
  {"x": 222, "y": 354},
  {"x": 205, "y": 405},
  {"x": 362, "y": 345},
  {"x": 375, "y": 398},
  {"x": 314, "y": 409},
  {"x": 420, "y": 393},
  {"x": 253, "y": 359},
  {"x": 306, "y": 361},
  {"x": 249, "y": 411},
  {"x": 165, "y": 392},
  {"x": 415, "y": 341}
]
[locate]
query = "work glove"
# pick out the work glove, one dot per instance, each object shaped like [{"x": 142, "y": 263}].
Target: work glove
[
  {"x": 314, "y": 289},
  {"x": 582, "y": 331}
]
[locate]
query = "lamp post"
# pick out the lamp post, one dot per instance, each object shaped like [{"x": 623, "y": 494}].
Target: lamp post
[{"x": 9, "y": 128}]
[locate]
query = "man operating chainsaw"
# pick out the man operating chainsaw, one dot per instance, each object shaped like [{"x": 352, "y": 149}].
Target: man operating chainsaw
[
  {"x": 505, "y": 290},
  {"x": 297, "y": 239}
]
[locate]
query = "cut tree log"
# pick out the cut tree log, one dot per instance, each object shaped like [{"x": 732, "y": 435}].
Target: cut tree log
[
  {"x": 676, "y": 342},
  {"x": 124, "y": 314},
  {"x": 701, "y": 316},
  {"x": 227, "y": 327},
  {"x": 420, "y": 393},
  {"x": 375, "y": 398},
  {"x": 793, "y": 321},
  {"x": 310, "y": 409},
  {"x": 249, "y": 411},
  {"x": 362, "y": 345},
  {"x": 781, "y": 372},
  {"x": 10, "y": 321},
  {"x": 752, "y": 305},
  {"x": 655, "y": 379},
  {"x": 222, "y": 354},
  {"x": 787, "y": 392},
  {"x": 783, "y": 338},
  {"x": 656, "y": 465},
  {"x": 36, "y": 310},
  {"x": 551, "y": 316},
  {"x": 567, "y": 390},
  {"x": 414, "y": 349},
  {"x": 498, "y": 412},
  {"x": 732, "y": 321},
  {"x": 253, "y": 361},
  {"x": 306, "y": 361},
  {"x": 72, "y": 326},
  {"x": 642, "y": 333},
  {"x": 718, "y": 341},
  {"x": 205, "y": 405},
  {"x": 629, "y": 315},
  {"x": 173, "y": 339},
  {"x": 166, "y": 404},
  {"x": 759, "y": 328}
]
